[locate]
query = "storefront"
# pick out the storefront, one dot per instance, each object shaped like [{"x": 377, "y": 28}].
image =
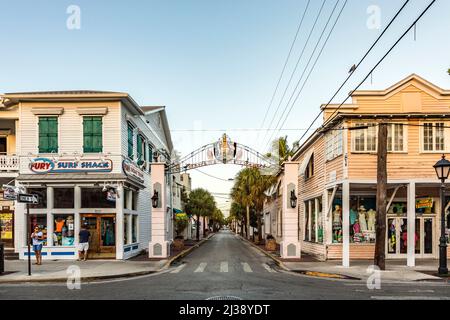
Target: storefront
[{"x": 6, "y": 221}]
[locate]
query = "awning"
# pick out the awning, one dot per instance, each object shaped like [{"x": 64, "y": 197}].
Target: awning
[{"x": 305, "y": 162}]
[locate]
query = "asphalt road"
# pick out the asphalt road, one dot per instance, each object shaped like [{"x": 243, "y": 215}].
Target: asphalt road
[{"x": 226, "y": 266}]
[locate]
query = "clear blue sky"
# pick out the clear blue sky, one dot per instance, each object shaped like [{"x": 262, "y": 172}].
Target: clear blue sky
[{"x": 213, "y": 63}]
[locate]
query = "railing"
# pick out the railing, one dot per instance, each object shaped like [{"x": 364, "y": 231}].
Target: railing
[{"x": 9, "y": 163}]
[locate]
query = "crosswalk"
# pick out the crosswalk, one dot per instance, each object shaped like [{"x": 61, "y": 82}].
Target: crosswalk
[{"x": 223, "y": 267}]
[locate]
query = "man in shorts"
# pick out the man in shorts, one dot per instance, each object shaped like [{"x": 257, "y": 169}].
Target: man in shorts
[{"x": 83, "y": 245}]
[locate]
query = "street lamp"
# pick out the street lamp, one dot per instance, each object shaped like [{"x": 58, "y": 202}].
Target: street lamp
[
  {"x": 293, "y": 199},
  {"x": 155, "y": 199},
  {"x": 442, "y": 170}
]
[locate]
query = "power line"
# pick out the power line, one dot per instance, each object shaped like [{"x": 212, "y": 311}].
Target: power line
[
  {"x": 296, "y": 66},
  {"x": 285, "y": 65},
  {"x": 380, "y": 61},
  {"x": 210, "y": 175},
  {"x": 309, "y": 61}
]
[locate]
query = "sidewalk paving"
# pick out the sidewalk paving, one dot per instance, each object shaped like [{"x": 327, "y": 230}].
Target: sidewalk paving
[
  {"x": 396, "y": 270},
  {"x": 57, "y": 271}
]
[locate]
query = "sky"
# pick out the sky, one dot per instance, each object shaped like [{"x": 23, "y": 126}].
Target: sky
[{"x": 215, "y": 63}]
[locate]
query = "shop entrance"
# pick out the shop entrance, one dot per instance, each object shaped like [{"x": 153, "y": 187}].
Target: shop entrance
[
  {"x": 102, "y": 228},
  {"x": 397, "y": 235}
]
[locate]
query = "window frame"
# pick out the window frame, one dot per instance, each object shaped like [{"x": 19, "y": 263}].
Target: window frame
[
  {"x": 130, "y": 147},
  {"x": 366, "y": 137},
  {"x": 405, "y": 137},
  {"x": 434, "y": 127},
  {"x": 334, "y": 144}
]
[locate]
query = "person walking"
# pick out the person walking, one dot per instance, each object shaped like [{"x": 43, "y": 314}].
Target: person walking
[
  {"x": 37, "y": 238},
  {"x": 83, "y": 245}
]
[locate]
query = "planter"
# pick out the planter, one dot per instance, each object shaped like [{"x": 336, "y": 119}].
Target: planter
[
  {"x": 178, "y": 244},
  {"x": 271, "y": 245}
]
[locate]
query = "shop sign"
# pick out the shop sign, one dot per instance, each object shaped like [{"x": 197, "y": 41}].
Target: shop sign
[
  {"x": 111, "y": 195},
  {"x": 6, "y": 224},
  {"x": 132, "y": 170},
  {"x": 9, "y": 193},
  {"x": 45, "y": 165},
  {"x": 424, "y": 203}
]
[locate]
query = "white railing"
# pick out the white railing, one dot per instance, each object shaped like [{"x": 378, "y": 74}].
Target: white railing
[{"x": 9, "y": 163}]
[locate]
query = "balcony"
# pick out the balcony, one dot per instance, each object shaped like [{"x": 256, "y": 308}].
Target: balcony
[{"x": 9, "y": 163}]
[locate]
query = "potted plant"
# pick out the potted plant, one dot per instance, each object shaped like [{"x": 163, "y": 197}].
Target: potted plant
[
  {"x": 271, "y": 243},
  {"x": 181, "y": 223}
]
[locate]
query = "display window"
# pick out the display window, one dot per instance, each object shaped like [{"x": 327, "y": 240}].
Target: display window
[
  {"x": 95, "y": 198},
  {"x": 337, "y": 221},
  {"x": 6, "y": 226},
  {"x": 42, "y": 193},
  {"x": 126, "y": 221},
  {"x": 64, "y": 198},
  {"x": 40, "y": 221},
  {"x": 134, "y": 229},
  {"x": 64, "y": 230},
  {"x": 362, "y": 219},
  {"x": 313, "y": 221}
]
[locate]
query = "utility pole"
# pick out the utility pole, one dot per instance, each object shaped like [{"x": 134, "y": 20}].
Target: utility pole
[{"x": 379, "y": 259}]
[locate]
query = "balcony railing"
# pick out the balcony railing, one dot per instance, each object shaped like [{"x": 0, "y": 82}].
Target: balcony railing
[{"x": 9, "y": 163}]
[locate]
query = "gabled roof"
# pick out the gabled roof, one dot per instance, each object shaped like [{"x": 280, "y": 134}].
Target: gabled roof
[{"x": 400, "y": 85}]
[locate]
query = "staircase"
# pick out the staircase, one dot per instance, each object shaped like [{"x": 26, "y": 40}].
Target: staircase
[{"x": 10, "y": 254}]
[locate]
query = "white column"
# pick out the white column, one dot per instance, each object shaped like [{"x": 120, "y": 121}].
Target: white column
[
  {"x": 119, "y": 223},
  {"x": 50, "y": 222},
  {"x": 327, "y": 225},
  {"x": 77, "y": 218},
  {"x": 411, "y": 260},
  {"x": 159, "y": 246},
  {"x": 346, "y": 224},
  {"x": 290, "y": 246}
]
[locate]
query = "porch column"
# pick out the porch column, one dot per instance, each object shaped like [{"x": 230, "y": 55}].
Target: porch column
[
  {"x": 290, "y": 244},
  {"x": 119, "y": 222},
  {"x": 346, "y": 224},
  {"x": 77, "y": 226},
  {"x": 50, "y": 222},
  {"x": 411, "y": 260},
  {"x": 159, "y": 246}
]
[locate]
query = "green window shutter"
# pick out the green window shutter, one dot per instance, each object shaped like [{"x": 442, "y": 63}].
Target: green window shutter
[
  {"x": 48, "y": 135},
  {"x": 93, "y": 134},
  {"x": 130, "y": 141},
  {"x": 139, "y": 149}
]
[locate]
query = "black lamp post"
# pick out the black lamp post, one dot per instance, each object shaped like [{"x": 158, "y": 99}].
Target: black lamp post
[
  {"x": 293, "y": 199},
  {"x": 155, "y": 199},
  {"x": 443, "y": 170}
]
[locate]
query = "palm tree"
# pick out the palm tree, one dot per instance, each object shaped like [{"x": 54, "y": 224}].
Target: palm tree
[
  {"x": 281, "y": 149},
  {"x": 200, "y": 204},
  {"x": 237, "y": 213}
]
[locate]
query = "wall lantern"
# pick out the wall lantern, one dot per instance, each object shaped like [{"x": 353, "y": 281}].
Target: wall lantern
[
  {"x": 293, "y": 199},
  {"x": 155, "y": 199}
]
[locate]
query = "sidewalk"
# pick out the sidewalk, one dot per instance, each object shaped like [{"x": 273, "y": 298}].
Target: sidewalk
[
  {"x": 396, "y": 270},
  {"x": 57, "y": 271}
]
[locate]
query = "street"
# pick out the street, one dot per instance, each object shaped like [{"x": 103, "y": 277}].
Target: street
[{"x": 227, "y": 267}]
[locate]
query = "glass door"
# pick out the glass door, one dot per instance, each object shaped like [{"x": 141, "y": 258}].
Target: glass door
[{"x": 102, "y": 228}]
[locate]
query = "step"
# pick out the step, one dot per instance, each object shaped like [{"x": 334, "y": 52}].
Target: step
[{"x": 11, "y": 255}]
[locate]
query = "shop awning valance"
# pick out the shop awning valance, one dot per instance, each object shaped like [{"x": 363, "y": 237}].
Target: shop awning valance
[{"x": 305, "y": 162}]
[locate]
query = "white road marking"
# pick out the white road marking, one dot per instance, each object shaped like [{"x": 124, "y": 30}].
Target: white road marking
[
  {"x": 246, "y": 267},
  {"x": 269, "y": 269},
  {"x": 179, "y": 268},
  {"x": 224, "y": 266},
  {"x": 421, "y": 291},
  {"x": 201, "y": 267},
  {"x": 408, "y": 298}
]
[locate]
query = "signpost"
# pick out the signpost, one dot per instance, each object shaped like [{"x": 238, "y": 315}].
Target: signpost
[{"x": 28, "y": 199}]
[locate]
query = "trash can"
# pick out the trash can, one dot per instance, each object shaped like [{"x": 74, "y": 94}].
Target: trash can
[{"x": 2, "y": 257}]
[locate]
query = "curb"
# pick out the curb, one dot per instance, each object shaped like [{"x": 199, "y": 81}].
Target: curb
[
  {"x": 306, "y": 272},
  {"x": 185, "y": 253},
  {"x": 118, "y": 276}
]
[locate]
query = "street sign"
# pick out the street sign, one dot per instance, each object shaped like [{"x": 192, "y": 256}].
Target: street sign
[{"x": 28, "y": 198}]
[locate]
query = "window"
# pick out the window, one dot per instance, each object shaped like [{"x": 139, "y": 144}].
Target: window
[
  {"x": 150, "y": 157},
  {"x": 63, "y": 198},
  {"x": 92, "y": 134},
  {"x": 48, "y": 135},
  {"x": 134, "y": 229},
  {"x": 130, "y": 141},
  {"x": 365, "y": 140},
  {"x": 396, "y": 138},
  {"x": 126, "y": 221},
  {"x": 309, "y": 172},
  {"x": 334, "y": 144},
  {"x": 95, "y": 198},
  {"x": 313, "y": 221},
  {"x": 141, "y": 154},
  {"x": 42, "y": 193},
  {"x": 433, "y": 137},
  {"x": 134, "y": 202},
  {"x": 64, "y": 232}
]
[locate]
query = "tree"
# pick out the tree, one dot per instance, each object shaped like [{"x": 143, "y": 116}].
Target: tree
[
  {"x": 200, "y": 204},
  {"x": 217, "y": 220},
  {"x": 448, "y": 71},
  {"x": 281, "y": 149},
  {"x": 237, "y": 213}
]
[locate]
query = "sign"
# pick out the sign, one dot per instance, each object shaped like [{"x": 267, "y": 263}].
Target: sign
[
  {"x": 111, "y": 195},
  {"x": 424, "y": 203},
  {"x": 6, "y": 225},
  {"x": 9, "y": 193},
  {"x": 132, "y": 170},
  {"x": 45, "y": 165},
  {"x": 28, "y": 198}
]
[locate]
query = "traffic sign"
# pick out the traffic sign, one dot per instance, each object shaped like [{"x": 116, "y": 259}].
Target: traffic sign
[{"x": 28, "y": 198}]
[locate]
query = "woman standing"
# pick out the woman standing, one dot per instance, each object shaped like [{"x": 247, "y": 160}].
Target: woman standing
[{"x": 37, "y": 237}]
